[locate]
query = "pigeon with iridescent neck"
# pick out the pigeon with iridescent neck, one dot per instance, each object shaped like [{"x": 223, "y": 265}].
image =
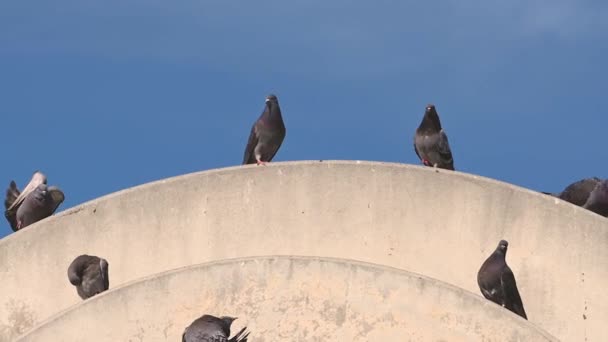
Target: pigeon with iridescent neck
[
  {"x": 89, "y": 274},
  {"x": 267, "y": 134},
  {"x": 208, "y": 328},
  {"x": 497, "y": 282},
  {"x": 36, "y": 202},
  {"x": 431, "y": 143}
]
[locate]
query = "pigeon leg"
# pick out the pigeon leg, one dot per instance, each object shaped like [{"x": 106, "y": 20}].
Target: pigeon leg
[
  {"x": 19, "y": 225},
  {"x": 426, "y": 162},
  {"x": 259, "y": 162}
]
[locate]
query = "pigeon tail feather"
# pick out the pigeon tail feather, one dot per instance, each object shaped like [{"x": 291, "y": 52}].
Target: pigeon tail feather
[{"x": 238, "y": 338}]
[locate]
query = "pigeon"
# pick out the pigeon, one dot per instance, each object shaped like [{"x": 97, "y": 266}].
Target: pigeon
[
  {"x": 36, "y": 202},
  {"x": 577, "y": 193},
  {"x": 497, "y": 282},
  {"x": 431, "y": 143},
  {"x": 209, "y": 328},
  {"x": 598, "y": 199},
  {"x": 267, "y": 134},
  {"x": 89, "y": 274}
]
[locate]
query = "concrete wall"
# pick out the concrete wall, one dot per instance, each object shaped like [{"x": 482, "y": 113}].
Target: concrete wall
[
  {"x": 441, "y": 224},
  {"x": 291, "y": 299}
]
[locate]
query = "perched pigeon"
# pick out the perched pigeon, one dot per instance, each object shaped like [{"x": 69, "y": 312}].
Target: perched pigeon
[
  {"x": 598, "y": 199},
  {"x": 577, "y": 193},
  {"x": 497, "y": 282},
  {"x": 36, "y": 202},
  {"x": 89, "y": 274},
  {"x": 431, "y": 143},
  {"x": 212, "y": 329},
  {"x": 267, "y": 134}
]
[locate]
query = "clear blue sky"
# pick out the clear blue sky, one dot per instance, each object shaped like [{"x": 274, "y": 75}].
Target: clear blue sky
[{"x": 105, "y": 95}]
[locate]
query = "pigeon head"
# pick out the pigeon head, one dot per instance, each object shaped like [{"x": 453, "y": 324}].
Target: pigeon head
[
  {"x": 272, "y": 107},
  {"x": 431, "y": 118},
  {"x": 228, "y": 320},
  {"x": 272, "y": 101},
  {"x": 272, "y": 98},
  {"x": 502, "y": 247}
]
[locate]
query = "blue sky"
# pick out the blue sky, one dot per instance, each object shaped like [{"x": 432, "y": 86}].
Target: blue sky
[{"x": 102, "y": 96}]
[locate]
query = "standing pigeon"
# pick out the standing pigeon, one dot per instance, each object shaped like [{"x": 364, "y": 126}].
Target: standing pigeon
[
  {"x": 497, "y": 282},
  {"x": 89, "y": 274},
  {"x": 431, "y": 143},
  {"x": 36, "y": 202},
  {"x": 577, "y": 193},
  {"x": 209, "y": 328},
  {"x": 267, "y": 134},
  {"x": 598, "y": 199}
]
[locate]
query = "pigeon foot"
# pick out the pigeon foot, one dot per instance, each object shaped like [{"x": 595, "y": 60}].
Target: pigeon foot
[{"x": 263, "y": 163}]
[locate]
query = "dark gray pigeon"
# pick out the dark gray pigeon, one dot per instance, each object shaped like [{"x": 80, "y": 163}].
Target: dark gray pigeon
[
  {"x": 431, "y": 143},
  {"x": 497, "y": 282},
  {"x": 598, "y": 199},
  {"x": 267, "y": 134},
  {"x": 209, "y": 328},
  {"x": 36, "y": 202},
  {"x": 89, "y": 274},
  {"x": 577, "y": 193}
]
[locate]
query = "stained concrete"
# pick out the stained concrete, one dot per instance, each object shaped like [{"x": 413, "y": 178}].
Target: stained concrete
[
  {"x": 291, "y": 299},
  {"x": 441, "y": 224}
]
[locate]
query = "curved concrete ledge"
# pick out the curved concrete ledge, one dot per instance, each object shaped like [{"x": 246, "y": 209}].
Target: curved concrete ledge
[
  {"x": 441, "y": 224},
  {"x": 291, "y": 299}
]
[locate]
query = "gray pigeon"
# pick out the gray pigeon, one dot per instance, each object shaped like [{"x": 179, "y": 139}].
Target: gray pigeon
[
  {"x": 89, "y": 274},
  {"x": 577, "y": 193},
  {"x": 209, "y": 328},
  {"x": 267, "y": 134},
  {"x": 431, "y": 143},
  {"x": 36, "y": 202},
  {"x": 497, "y": 282},
  {"x": 598, "y": 199}
]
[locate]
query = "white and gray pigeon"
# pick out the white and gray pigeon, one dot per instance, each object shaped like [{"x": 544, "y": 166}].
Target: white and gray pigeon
[
  {"x": 497, "y": 282},
  {"x": 267, "y": 134},
  {"x": 208, "y": 328},
  {"x": 89, "y": 274},
  {"x": 598, "y": 199},
  {"x": 431, "y": 142},
  {"x": 36, "y": 202}
]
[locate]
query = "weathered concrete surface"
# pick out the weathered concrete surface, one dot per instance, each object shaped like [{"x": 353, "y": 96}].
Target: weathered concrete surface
[
  {"x": 440, "y": 224},
  {"x": 291, "y": 299}
]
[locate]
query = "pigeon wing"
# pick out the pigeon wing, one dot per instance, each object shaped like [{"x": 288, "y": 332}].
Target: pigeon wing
[
  {"x": 12, "y": 193},
  {"x": 57, "y": 196},
  {"x": 37, "y": 179},
  {"x": 512, "y": 299},
  {"x": 443, "y": 147},
  {"x": 249, "y": 156},
  {"x": 103, "y": 269},
  {"x": 238, "y": 338},
  {"x": 416, "y": 149}
]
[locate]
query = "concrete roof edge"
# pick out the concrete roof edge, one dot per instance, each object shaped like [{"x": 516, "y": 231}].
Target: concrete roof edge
[{"x": 343, "y": 261}]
